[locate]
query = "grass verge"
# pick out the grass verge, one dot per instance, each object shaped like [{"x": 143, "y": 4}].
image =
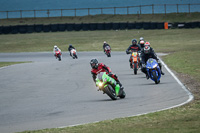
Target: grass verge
[
  {"x": 183, "y": 46},
  {"x": 3, "y": 64}
]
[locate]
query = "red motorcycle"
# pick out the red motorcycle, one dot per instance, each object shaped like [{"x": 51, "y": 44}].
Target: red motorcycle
[
  {"x": 58, "y": 54},
  {"x": 108, "y": 51}
]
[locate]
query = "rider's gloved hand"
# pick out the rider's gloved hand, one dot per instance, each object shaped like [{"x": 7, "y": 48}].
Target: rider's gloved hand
[{"x": 143, "y": 65}]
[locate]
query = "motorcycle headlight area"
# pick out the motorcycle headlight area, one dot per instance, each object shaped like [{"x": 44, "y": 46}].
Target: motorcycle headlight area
[{"x": 100, "y": 84}]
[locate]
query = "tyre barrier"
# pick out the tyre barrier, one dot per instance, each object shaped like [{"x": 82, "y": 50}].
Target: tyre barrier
[
  {"x": 85, "y": 27},
  {"x": 94, "y": 26},
  {"x": 22, "y": 29},
  {"x": 14, "y": 29},
  {"x": 123, "y": 26},
  {"x": 70, "y": 27},
  {"x": 101, "y": 26},
  {"x": 30, "y": 29},
  {"x": 38, "y": 28},
  {"x": 46, "y": 28},
  {"x": 54, "y": 27},
  {"x": 62, "y": 27}
]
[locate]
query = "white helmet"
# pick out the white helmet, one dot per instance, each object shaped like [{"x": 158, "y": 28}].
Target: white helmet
[
  {"x": 55, "y": 47},
  {"x": 104, "y": 42},
  {"x": 141, "y": 38}
]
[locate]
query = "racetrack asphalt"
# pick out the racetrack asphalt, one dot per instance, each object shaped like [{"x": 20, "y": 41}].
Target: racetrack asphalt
[{"x": 48, "y": 93}]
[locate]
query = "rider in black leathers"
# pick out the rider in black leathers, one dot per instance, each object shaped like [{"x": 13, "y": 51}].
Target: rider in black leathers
[
  {"x": 147, "y": 53},
  {"x": 133, "y": 48}
]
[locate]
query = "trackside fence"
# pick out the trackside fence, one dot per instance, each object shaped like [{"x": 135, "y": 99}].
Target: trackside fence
[{"x": 141, "y": 9}]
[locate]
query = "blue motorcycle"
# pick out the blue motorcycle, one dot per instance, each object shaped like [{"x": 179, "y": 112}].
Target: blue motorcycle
[{"x": 153, "y": 70}]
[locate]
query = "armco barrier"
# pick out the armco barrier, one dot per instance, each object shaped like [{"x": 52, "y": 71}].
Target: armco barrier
[
  {"x": 38, "y": 28},
  {"x": 94, "y": 26}
]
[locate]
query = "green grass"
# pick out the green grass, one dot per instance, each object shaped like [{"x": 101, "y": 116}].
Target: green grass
[
  {"x": 172, "y": 17},
  {"x": 161, "y": 40},
  {"x": 3, "y": 64},
  {"x": 182, "y": 44}
]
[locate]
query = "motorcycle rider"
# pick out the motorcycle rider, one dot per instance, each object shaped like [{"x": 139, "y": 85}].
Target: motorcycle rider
[
  {"x": 70, "y": 48},
  {"x": 133, "y": 47},
  {"x": 104, "y": 45},
  {"x": 141, "y": 44},
  {"x": 56, "y": 49},
  {"x": 145, "y": 55},
  {"x": 100, "y": 67}
]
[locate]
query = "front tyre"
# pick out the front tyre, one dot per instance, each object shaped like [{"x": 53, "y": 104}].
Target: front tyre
[
  {"x": 155, "y": 77},
  {"x": 135, "y": 68},
  {"x": 109, "y": 90}
]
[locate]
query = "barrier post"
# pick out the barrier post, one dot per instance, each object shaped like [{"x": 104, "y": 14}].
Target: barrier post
[{"x": 166, "y": 25}]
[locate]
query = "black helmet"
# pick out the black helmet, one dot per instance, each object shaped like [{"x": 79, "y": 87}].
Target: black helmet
[
  {"x": 94, "y": 63},
  {"x": 146, "y": 49},
  {"x": 134, "y": 41},
  {"x": 70, "y": 45}
]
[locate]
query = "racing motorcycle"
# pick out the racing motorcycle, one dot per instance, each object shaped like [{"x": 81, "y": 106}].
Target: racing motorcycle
[
  {"x": 74, "y": 54},
  {"x": 58, "y": 54},
  {"x": 107, "y": 51},
  {"x": 153, "y": 70},
  {"x": 109, "y": 86},
  {"x": 135, "y": 61}
]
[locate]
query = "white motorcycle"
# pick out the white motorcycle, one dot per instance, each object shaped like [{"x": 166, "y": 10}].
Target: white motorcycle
[{"x": 74, "y": 54}]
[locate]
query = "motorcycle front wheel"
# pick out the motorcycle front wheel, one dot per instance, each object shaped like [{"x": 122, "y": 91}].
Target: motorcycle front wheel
[{"x": 109, "y": 90}]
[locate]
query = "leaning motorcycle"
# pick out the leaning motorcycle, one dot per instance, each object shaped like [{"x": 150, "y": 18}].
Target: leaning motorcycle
[
  {"x": 107, "y": 51},
  {"x": 74, "y": 54},
  {"x": 153, "y": 70},
  {"x": 109, "y": 86},
  {"x": 135, "y": 61},
  {"x": 58, "y": 54}
]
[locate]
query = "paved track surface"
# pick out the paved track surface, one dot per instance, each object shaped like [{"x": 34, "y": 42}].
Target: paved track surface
[{"x": 49, "y": 94}]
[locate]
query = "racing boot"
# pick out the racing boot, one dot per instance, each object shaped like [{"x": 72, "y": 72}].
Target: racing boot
[
  {"x": 121, "y": 88},
  {"x": 162, "y": 73},
  {"x": 147, "y": 75}
]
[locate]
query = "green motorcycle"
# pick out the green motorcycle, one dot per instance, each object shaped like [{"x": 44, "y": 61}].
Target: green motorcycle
[{"x": 109, "y": 86}]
